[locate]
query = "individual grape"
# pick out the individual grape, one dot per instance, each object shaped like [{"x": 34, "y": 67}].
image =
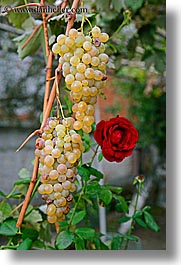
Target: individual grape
[
  {"x": 81, "y": 67},
  {"x": 89, "y": 73},
  {"x": 56, "y": 48},
  {"x": 88, "y": 120},
  {"x": 93, "y": 91},
  {"x": 52, "y": 219},
  {"x": 73, "y": 70},
  {"x": 87, "y": 46},
  {"x": 79, "y": 40},
  {"x": 90, "y": 110},
  {"x": 85, "y": 83},
  {"x": 64, "y": 48},
  {"x": 75, "y": 60},
  {"x": 79, "y": 52},
  {"x": 88, "y": 38},
  {"x": 62, "y": 178},
  {"x": 102, "y": 66},
  {"x": 79, "y": 76},
  {"x": 61, "y": 60},
  {"x": 79, "y": 115},
  {"x": 96, "y": 32},
  {"x": 56, "y": 152},
  {"x": 51, "y": 209},
  {"x": 66, "y": 185},
  {"x": 72, "y": 158},
  {"x": 62, "y": 169},
  {"x": 61, "y": 202},
  {"x": 48, "y": 189},
  {"x": 67, "y": 56},
  {"x": 98, "y": 75},
  {"x": 67, "y": 146},
  {"x": 48, "y": 149},
  {"x": 86, "y": 58},
  {"x": 86, "y": 91},
  {"x": 76, "y": 138},
  {"x": 103, "y": 57},
  {"x": 76, "y": 86},
  {"x": 101, "y": 48},
  {"x": 69, "y": 79},
  {"x": 104, "y": 37},
  {"x": 86, "y": 129},
  {"x": 65, "y": 193},
  {"x": 61, "y": 39},
  {"x": 49, "y": 160},
  {"x": 82, "y": 106},
  {"x": 95, "y": 61},
  {"x": 70, "y": 172},
  {"x": 94, "y": 51},
  {"x": 73, "y": 33},
  {"x": 53, "y": 174},
  {"x": 57, "y": 187},
  {"x": 69, "y": 42},
  {"x": 77, "y": 125}
]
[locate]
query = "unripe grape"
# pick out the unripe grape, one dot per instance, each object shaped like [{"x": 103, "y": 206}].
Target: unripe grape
[
  {"x": 96, "y": 32},
  {"x": 73, "y": 33},
  {"x": 51, "y": 210}
]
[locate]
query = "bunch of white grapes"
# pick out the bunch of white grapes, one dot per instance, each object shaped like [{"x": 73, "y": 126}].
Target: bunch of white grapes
[
  {"x": 59, "y": 149},
  {"x": 83, "y": 61}
]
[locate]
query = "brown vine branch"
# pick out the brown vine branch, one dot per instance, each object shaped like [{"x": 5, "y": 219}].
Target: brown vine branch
[
  {"x": 46, "y": 114},
  {"x": 45, "y": 28}
]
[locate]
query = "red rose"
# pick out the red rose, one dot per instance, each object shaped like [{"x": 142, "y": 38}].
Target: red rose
[{"x": 117, "y": 138}]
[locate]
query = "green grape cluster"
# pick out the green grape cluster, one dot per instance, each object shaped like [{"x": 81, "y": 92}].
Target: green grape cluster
[
  {"x": 59, "y": 149},
  {"x": 83, "y": 61}
]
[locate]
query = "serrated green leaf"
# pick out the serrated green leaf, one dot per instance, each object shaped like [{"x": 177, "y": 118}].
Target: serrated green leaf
[
  {"x": 150, "y": 221},
  {"x": 8, "y": 228},
  {"x": 105, "y": 196},
  {"x": 79, "y": 216},
  {"x": 25, "y": 244},
  {"x": 86, "y": 233},
  {"x": 79, "y": 243},
  {"x": 64, "y": 240},
  {"x": 124, "y": 219}
]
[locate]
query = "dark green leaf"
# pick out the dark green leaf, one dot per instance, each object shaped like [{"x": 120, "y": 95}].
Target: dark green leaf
[
  {"x": 122, "y": 201},
  {"x": 100, "y": 157},
  {"x": 64, "y": 240},
  {"x": 105, "y": 196},
  {"x": 151, "y": 223},
  {"x": 29, "y": 233},
  {"x": 137, "y": 214},
  {"x": 5, "y": 207},
  {"x": 134, "y": 4},
  {"x": 2, "y": 194},
  {"x": 99, "y": 245},
  {"x": 146, "y": 208},
  {"x": 84, "y": 172},
  {"x": 79, "y": 243},
  {"x": 86, "y": 233},
  {"x": 116, "y": 243},
  {"x": 22, "y": 181},
  {"x": 93, "y": 188},
  {"x": 124, "y": 219},
  {"x": 79, "y": 216},
  {"x": 94, "y": 172},
  {"x": 38, "y": 244},
  {"x": 140, "y": 222},
  {"x": 25, "y": 245},
  {"x": 8, "y": 228}
]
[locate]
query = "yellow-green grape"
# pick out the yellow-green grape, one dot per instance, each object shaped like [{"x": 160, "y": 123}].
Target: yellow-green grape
[
  {"x": 86, "y": 129},
  {"x": 79, "y": 40},
  {"x": 81, "y": 67},
  {"x": 76, "y": 96},
  {"x": 67, "y": 138},
  {"x": 75, "y": 60},
  {"x": 62, "y": 178},
  {"x": 90, "y": 82},
  {"x": 88, "y": 38},
  {"x": 86, "y": 91},
  {"x": 85, "y": 83},
  {"x": 66, "y": 185},
  {"x": 48, "y": 189},
  {"x": 90, "y": 110},
  {"x": 79, "y": 52},
  {"x": 73, "y": 188},
  {"x": 104, "y": 37},
  {"x": 53, "y": 174},
  {"x": 67, "y": 146},
  {"x": 87, "y": 45},
  {"x": 65, "y": 193},
  {"x": 79, "y": 115},
  {"x": 61, "y": 134},
  {"x": 93, "y": 100},
  {"x": 60, "y": 127},
  {"x": 69, "y": 79},
  {"x": 64, "y": 48},
  {"x": 68, "y": 122},
  {"x": 66, "y": 68},
  {"x": 88, "y": 120},
  {"x": 76, "y": 138},
  {"x": 79, "y": 76},
  {"x": 61, "y": 159},
  {"x": 94, "y": 51},
  {"x": 76, "y": 86},
  {"x": 61, "y": 60},
  {"x": 93, "y": 91},
  {"x": 62, "y": 169},
  {"x": 103, "y": 57},
  {"x": 73, "y": 70},
  {"x": 52, "y": 124},
  {"x": 52, "y": 219},
  {"x": 82, "y": 106},
  {"x": 86, "y": 58},
  {"x": 61, "y": 202},
  {"x": 69, "y": 42},
  {"x": 57, "y": 187},
  {"x": 56, "y": 152},
  {"x": 77, "y": 125},
  {"x": 56, "y": 48},
  {"x": 101, "y": 48},
  {"x": 48, "y": 149},
  {"x": 89, "y": 73},
  {"x": 96, "y": 32},
  {"x": 61, "y": 39},
  {"x": 102, "y": 66},
  {"x": 77, "y": 152},
  {"x": 70, "y": 172},
  {"x": 95, "y": 61},
  {"x": 51, "y": 209},
  {"x": 67, "y": 56},
  {"x": 72, "y": 158},
  {"x": 75, "y": 107},
  {"x": 98, "y": 75},
  {"x": 73, "y": 33},
  {"x": 49, "y": 160}
]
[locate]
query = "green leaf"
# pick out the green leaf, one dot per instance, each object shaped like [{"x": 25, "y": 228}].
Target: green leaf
[
  {"x": 45, "y": 232},
  {"x": 32, "y": 45},
  {"x": 100, "y": 157},
  {"x": 86, "y": 233},
  {"x": 34, "y": 218},
  {"x": 123, "y": 202},
  {"x": 124, "y": 219},
  {"x": 93, "y": 188},
  {"x": 30, "y": 233},
  {"x": 25, "y": 245},
  {"x": 134, "y": 4},
  {"x": 138, "y": 214},
  {"x": 146, "y": 208},
  {"x": 79, "y": 216},
  {"x": 8, "y": 228},
  {"x": 116, "y": 243},
  {"x": 2, "y": 194},
  {"x": 5, "y": 207},
  {"x": 99, "y": 245},
  {"x": 68, "y": 103},
  {"x": 117, "y": 5},
  {"x": 64, "y": 240},
  {"x": 79, "y": 243},
  {"x": 22, "y": 181},
  {"x": 105, "y": 196},
  {"x": 140, "y": 222},
  {"x": 84, "y": 172},
  {"x": 24, "y": 173},
  {"x": 94, "y": 172},
  {"x": 151, "y": 223}
]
